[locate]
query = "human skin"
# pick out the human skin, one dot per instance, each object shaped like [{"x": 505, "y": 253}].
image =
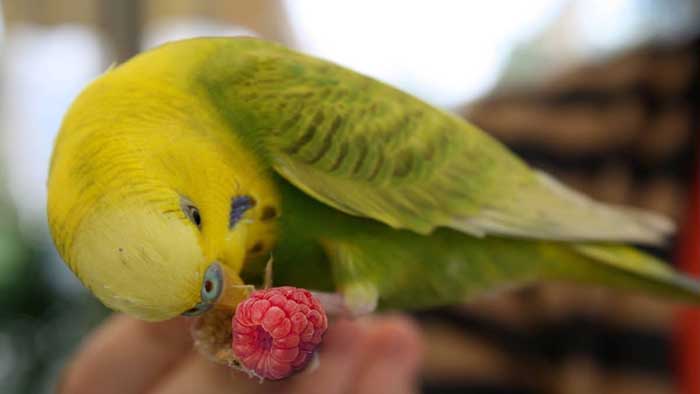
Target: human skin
[{"x": 128, "y": 356}]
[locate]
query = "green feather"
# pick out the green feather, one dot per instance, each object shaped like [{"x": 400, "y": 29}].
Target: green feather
[
  {"x": 386, "y": 197},
  {"x": 409, "y": 270},
  {"x": 371, "y": 150}
]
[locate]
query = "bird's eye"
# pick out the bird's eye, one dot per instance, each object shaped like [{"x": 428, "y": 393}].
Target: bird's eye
[
  {"x": 191, "y": 211},
  {"x": 194, "y": 216}
]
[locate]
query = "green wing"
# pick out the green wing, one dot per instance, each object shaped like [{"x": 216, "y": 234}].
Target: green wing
[
  {"x": 370, "y": 150},
  {"x": 367, "y": 261},
  {"x": 421, "y": 272}
]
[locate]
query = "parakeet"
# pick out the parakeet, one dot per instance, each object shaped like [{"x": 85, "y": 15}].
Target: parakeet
[{"x": 177, "y": 175}]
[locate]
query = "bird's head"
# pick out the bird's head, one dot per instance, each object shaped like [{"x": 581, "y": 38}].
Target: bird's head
[{"x": 153, "y": 203}]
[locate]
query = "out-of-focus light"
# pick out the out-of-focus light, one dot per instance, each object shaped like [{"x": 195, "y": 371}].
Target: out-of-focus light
[
  {"x": 445, "y": 53},
  {"x": 45, "y": 68},
  {"x": 608, "y": 25},
  {"x": 171, "y": 29},
  {"x": 2, "y": 24}
]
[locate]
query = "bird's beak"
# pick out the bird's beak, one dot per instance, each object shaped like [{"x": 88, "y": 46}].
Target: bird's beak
[{"x": 234, "y": 290}]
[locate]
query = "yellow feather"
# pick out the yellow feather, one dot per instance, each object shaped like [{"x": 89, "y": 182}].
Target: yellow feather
[{"x": 132, "y": 145}]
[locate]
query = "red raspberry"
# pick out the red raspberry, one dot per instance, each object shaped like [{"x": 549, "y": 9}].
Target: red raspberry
[{"x": 277, "y": 330}]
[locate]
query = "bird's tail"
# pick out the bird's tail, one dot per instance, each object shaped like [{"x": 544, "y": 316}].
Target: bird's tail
[{"x": 626, "y": 268}]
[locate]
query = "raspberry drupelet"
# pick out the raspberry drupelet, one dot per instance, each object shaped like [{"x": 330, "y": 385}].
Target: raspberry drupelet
[{"x": 276, "y": 331}]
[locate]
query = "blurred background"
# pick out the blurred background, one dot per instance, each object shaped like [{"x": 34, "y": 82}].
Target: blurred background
[{"x": 602, "y": 93}]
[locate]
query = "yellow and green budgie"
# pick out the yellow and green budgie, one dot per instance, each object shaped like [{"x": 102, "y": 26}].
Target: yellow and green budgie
[{"x": 177, "y": 175}]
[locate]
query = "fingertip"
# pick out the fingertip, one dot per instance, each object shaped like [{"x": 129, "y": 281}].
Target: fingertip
[
  {"x": 394, "y": 348},
  {"x": 342, "y": 335},
  {"x": 126, "y": 355},
  {"x": 398, "y": 336},
  {"x": 339, "y": 359}
]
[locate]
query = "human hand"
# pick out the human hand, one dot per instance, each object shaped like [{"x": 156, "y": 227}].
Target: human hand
[{"x": 128, "y": 356}]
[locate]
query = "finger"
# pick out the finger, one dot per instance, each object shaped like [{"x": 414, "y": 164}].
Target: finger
[
  {"x": 196, "y": 374},
  {"x": 393, "y": 353},
  {"x": 201, "y": 376},
  {"x": 338, "y": 361},
  {"x": 126, "y": 356}
]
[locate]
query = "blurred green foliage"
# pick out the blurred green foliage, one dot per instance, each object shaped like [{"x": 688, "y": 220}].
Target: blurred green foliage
[{"x": 40, "y": 324}]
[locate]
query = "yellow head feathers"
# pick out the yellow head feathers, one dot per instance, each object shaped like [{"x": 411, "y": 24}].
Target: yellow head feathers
[{"x": 136, "y": 157}]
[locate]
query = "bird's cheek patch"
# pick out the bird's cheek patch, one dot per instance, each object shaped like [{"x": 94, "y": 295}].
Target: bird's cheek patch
[{"x": 239, "y": 206}]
